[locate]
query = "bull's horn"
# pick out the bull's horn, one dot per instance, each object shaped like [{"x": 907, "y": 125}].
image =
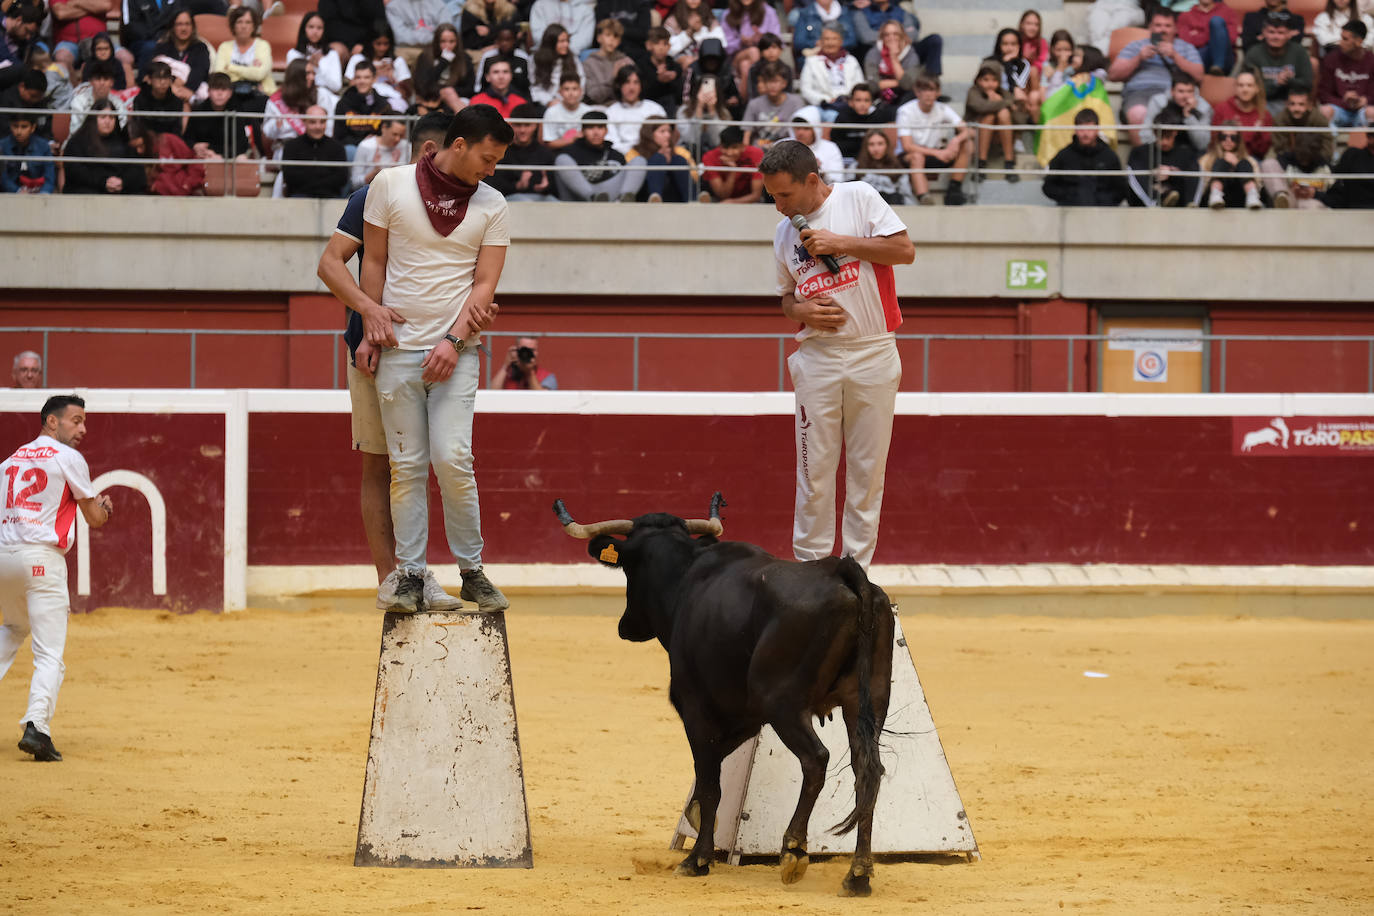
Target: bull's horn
[
  {"x": 710, "y": 526},
  {"x": 611, "y": 526}
]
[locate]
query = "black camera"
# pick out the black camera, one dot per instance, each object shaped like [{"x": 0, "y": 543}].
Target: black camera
[{"x": 524, "y": 354}]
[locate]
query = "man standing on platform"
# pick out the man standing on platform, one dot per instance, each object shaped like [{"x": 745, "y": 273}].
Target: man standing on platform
[
  {"x": 434, "y": 241},
  {"x": 46, "y": 482},
  {"x": 835, "y": 277}
]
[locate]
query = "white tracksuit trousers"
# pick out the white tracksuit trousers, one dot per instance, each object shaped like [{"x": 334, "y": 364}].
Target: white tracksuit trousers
[
  {"x": 33, "y": 599},
  {"x": 846, "y": 393}
]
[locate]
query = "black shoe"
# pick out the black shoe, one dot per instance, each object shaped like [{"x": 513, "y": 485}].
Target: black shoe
[
  {"x": 954, "y": 197},
  {"x": 1012, "y": 177},
  {"x": 38, "y": 744},
  {"x": 477, "y": 587},
  {"x": 410, "y": 594},
  {"x": 982, "y": 167}
]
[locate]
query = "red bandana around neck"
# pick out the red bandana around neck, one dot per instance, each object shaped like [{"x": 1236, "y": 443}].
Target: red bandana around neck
[{"x": 446, "y": 198}]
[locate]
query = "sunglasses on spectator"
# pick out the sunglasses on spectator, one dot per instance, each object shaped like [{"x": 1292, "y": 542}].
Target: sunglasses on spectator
[{"x": 1234, "y": 138}]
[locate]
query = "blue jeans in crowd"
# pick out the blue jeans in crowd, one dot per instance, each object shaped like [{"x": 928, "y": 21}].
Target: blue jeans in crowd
[
  {"x": 928, "y": 51},
  {"x": 670, "y": 185},
  {"x": 1219, "y": 51},
  {"x": 430, "y": 423}
]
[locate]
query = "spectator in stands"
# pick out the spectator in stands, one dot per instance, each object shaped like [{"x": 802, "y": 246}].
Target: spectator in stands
[
  {"x": 413, "y": 23},
  {"x": 732, "y": 187},
  {"x": 806, "y": 124},
  {"x": 744, "y": 24},
  {"x": 1294, "y": 155},
  {"x": 1227, "y": 155},
  {"x": 1347, "y": 193},
  {"x": 480, "y": 20},
  {"x": 1211, "y": 26},
  {"x": 629, "y": 110},
  {"x": 577, "y": 18},
  {"x": 530, "y": 180},
  {"x": 1347, "y": 79},
  {"x": 689, "y": 24},
  {"x": 660, "y": 75},
  {"x": 181, "y": 44},
  {"x": 711, "y": 64},
  {"x": 504, "y": 48},
  {"x": 29, "y": 92},
  {"x": 1087, "y": 153},
  {"x": 933, "y": 136},
  {"x": 772, "y": 110},
  {"x": 876, "y": 153},
  {"x": 392, "y": 79},
  {"x": 95, "y": 91},
  {"x": 1247, "y": 109},
  {"x": 811, "y": 17},
  {"x": 347, "y": 24},
  {"x": 142, "y": 25},
  {"x": 246, "y": 57},
  {"x": 522, "y": 369},
  {"x": 101, "y": 136},
  {"x": 829, "y": 74},
  {"x": 703, "y": 104},
  {"x": 1106, "y": 16},
  {"x": 207, "y": 136},
  {"x": 427, "y": 100},
  {"x": 1019, "y": 77},
  {"x": 602, "y": 174},
  {"x": 21, "y": 23},
  {"x": 499, "y": 93},
  {"x": 312, "y": 47},
  {"x": 102, "y": 49},
  {"x": 1252, "y": 23},
  {"x": 988, "y": 103},
  {"x": 658, "y": 146},
  {"x": 1146, "y": 66},
  {"x": 360, "y": 105},
  {"x": 1280, "y": 62},
  {"x": 169, "y": 175},
  {"x": 325, "y": 180},
  {"x": 861, "y": 111},
  {"x": 1154, "y": 180},
  {"x": 284, "y": 114},
  {"x": 26, "y": 176},
  {"x": 601, "y": 66},
  {"x": 770, "y": 51},
  {"x": 383, "y": 150},
  {"x": 1326, "y": 28},
  {"x": 1058, "y": 66},
  {"x": 75, "y": 21},
  {"x": 868, "y": 26},
  {"x": 27, "y": 371},
  {"x": 893, "y": 64},
  {"x": 635, "y": 17},
  {"x": 1183, "y": 99},
  {"x": 552, "y": 60},
  {"x": 156, "y": 105},
  {"x": 563, "y": 120},
  {"x": 1034, "y": 47},
  {"x": 444, "y": 70}
]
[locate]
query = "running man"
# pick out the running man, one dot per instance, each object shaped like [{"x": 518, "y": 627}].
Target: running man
[
  {"x": 45, "y": 483},
  {"x": 846, "y": 370}
]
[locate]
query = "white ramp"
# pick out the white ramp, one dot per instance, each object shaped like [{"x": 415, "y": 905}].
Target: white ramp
[
  {"x": 444, "y": 785},
  {"x": 918, "y": 810}
]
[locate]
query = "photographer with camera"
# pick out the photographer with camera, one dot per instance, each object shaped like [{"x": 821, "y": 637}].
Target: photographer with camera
[
  {"x": 1147, "y": 66},
  {"x": 522, "y": 371}
]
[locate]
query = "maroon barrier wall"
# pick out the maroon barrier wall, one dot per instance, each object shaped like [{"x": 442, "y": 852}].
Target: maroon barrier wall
[{"x": 960, "y": 489}]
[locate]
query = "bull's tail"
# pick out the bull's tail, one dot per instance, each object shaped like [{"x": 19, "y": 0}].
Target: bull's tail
[{"x": 865, "y": 759}]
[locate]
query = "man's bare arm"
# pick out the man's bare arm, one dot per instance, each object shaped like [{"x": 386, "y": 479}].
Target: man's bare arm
[
  {"x": 334, "y": 273},
  {"x": 883, "y": 249}
]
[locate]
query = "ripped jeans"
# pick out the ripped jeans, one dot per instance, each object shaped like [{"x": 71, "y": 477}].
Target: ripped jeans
[{"x": 430, "y": 423}]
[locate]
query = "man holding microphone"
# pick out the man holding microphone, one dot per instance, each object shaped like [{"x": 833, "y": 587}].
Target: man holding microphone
[{"x": 835, "y": 250}]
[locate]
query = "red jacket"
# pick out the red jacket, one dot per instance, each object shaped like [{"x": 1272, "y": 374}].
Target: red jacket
[
  {"x": 1193, "y": 25},
  {"x": 505, "y": 106},
  {"x": 176, "y": 180},
  {"x": 1256, "y": 141}
]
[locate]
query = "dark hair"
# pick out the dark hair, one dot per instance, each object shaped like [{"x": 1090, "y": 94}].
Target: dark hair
[
  {"x": 708, "y": 16},
  {"x": 1169, "y": 119},
  {"x": 769, "y": 40},
  {"x": 303, "y": 43},
  {"x": 773, "y": 70},
  {"x": 889, "y": 161},
  {"x": 1093, "y": 58},
  {"x": 790, "y": 156},
  {"x": 34, "y": 79},
  {"x": 989, "y": 70},
  {"x": 569, "y": 77},
  {"x": 169, "y": 36},
  {"x": 433, "y": 126},
  {"x": 239, "y": 12},
  {"x": 1356, "y": 27},
  {"x": 365, "y": 64},
  {"x": 220, "y": 80},
  {"x": 997, "y": 43},
  {"x": 1161, "y": 11},
  {"x": 295, "y": 88},
  {"x": 1086, "y": 116},
  {"x": 57, "y": 405},
  {"x": 1062, "y": 35},
  {"x": 27, "y": 116},
  {"x": 646, "y": 145},
  {"x": 159, "y": 69},
  {"x": 1182, "y": 79},
  {"x": 731, "y": 136},
  {"x": 864, "y": 87},
  {"x": 925, "y": 81},
  {"x": 477, "y": 123},
  {"x": 1299, "y": 88},
  {"x": 593, "y": 115},
  {"x": 439, "y": 30},
  {"x": 101, "y": 69},
  {"x": 657, "y": 33},
  {"x": 623, "y": 76},
  {"x": 380, "y": 29},
  {"x": 102, "y": 38},
  {"x": 546, "y": 55},
  {"x": 527, "y": 111},
  {"x": 735, "y": 16},
  {"x": 31, "y": 13}
]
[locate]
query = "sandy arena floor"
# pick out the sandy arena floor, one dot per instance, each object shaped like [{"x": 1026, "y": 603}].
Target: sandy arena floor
[{"x": 214, "y": 763}]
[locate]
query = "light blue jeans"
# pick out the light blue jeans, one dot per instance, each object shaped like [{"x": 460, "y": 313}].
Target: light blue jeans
[{"x": 430, "y": 424}]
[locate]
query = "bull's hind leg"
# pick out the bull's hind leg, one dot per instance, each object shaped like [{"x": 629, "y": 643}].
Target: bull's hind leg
[
  {"x": 800, "y": 738},
  {"x": 706, "y": 759},
  {"x": 858, "y": 881}
]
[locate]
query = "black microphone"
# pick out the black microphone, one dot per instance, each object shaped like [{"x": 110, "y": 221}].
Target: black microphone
[{"x": 828, "y": 260}]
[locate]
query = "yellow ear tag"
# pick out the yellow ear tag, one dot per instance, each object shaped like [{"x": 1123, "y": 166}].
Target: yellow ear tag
[{"x": 608, "y": 554}]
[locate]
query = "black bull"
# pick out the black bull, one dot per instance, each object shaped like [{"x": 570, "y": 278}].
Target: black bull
[{"x": 753, "y": 639}]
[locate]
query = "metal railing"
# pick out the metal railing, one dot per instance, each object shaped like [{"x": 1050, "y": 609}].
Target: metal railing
[{"x": 779, "y": 340}]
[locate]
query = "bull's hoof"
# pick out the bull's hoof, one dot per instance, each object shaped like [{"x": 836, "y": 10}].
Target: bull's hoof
[
  {"x": 794, "y": 863},
  {"x": 690, "y": 867},
  {"x": 856, "y": 885}
]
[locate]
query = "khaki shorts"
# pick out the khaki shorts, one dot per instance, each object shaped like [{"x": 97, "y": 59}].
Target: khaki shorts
[{"x": 368, "y": 433}]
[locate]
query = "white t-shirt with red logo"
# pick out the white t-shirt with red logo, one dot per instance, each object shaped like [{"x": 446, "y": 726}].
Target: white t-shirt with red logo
[
  {"x": 42, "y": 482},
  {"x": 866, "y": 291}
]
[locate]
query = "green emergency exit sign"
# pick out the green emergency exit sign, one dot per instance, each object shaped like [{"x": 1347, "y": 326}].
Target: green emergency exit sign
[{"x": 1027, "y": 274}]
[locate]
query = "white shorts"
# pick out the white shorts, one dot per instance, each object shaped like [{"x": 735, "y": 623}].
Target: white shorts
[{"x": 368, "y": 433}]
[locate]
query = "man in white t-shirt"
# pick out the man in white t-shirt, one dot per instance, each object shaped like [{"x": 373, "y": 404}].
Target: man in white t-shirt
[
  {"x": 46, "y": 482},
  {"x": 846, "y": 370},
  {"x": 933, "y": 136},
  {"x": 434, "y": 242},
  {"x": 563, "y": 122}
]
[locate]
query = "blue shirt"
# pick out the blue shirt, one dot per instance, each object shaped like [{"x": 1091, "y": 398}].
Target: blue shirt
[
  {"x": 13, "y": 173},
  {"x": 351, "y": 225}
]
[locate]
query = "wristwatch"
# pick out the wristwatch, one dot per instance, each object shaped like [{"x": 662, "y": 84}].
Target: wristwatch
[{"x": 458, "y": 345}]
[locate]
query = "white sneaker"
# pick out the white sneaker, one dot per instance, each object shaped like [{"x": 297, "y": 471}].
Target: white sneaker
[
  {"x": 386, "y": 592},
  {"x": 1216, "y": 200},
  {"x": 1252, "y": 200},
  {"x": 436, "y": 599}
]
